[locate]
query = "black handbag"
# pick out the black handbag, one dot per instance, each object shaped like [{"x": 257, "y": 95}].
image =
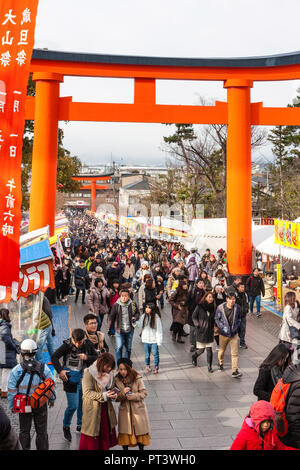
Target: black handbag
[
  {"x": 294, "y": 332},
  {"x": 70, "y": 387}
]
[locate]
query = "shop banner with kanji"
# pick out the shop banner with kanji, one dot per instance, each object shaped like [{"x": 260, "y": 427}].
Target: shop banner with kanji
[
  {"x": 17, "y": 26},
  {"x": 287, "y": 233}
]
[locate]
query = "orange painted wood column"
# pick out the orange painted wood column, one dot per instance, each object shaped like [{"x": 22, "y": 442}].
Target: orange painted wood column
[
  {"x": 44, "y": 155},
  {"x": 93, "y": 196},
  {"x": 239, "y": 207}
]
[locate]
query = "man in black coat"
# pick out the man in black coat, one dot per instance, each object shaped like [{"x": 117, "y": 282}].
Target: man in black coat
[
  {"x": 255, "y": 289},
  {"x": 242, "y": 301},
  {"x": 77, "y": 353}
]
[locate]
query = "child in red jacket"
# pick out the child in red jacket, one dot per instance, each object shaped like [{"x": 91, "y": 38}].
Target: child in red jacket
[{"x": 258, "y": 431}]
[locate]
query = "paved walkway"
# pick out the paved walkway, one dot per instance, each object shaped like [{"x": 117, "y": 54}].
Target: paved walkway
[{"x": 188, "y": 407}]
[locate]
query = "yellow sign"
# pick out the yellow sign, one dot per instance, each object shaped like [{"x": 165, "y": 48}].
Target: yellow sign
[
  {"x": 278, "y": 284},
  {"x": 287, "y": 233}
]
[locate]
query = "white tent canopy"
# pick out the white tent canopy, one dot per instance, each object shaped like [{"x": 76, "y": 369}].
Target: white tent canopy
[
  {"x": 212, "y": 233},
  {"x": 268, "y": 246}
]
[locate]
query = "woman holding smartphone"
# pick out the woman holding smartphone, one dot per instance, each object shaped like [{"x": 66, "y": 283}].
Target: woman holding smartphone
[
  {"x": 133, "y": 421},
  {"x": 99, "y": 418}
]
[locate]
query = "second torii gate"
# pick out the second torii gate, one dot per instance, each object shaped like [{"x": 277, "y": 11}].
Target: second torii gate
[
  {"x": 93, "y": 186},
  {"x": 239, "y": 114}
]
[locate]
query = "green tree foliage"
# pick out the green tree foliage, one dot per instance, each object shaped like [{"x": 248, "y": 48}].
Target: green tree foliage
[
  {"x": 67, "y": 166},
  {"x": 284, "y": 171},
  {"x": 203, "y": 156}
]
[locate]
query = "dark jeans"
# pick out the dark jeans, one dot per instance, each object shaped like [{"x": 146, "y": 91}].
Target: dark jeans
[
  {"x": 99, "y": 322},
  {"x": 40, "y": 418},
  {"x": 257, "y": 300},
  {"x": 77, "y": 294},
  {"x": 242, "y": 330}
]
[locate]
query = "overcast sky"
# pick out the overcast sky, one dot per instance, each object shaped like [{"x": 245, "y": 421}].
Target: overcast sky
[{"x": 162, "y": 28}]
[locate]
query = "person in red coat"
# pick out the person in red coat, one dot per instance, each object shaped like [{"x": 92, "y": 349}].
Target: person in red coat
[{"x": 258, "y": 431}]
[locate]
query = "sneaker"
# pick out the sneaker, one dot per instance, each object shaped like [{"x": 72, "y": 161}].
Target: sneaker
[
  {"x": 67, "y": 433},
  {"x": 236, "y": 374},
  {"x": 221, "y": 367},
  {"x": 258, "y": 315},
  {"x": 148, "y": 369},
  {"x": 155, "y": 370},
  {"x": 243, "y": 346},
  {"x": 78, "y": 429}
]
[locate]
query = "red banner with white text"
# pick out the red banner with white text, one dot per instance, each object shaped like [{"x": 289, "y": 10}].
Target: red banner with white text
[
  {"x": 32, "y": 278},
  {"x": 17, "y": 26}
]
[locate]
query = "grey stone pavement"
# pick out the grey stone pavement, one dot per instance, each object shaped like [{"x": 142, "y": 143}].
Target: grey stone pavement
[{"x": 188, "y": 407}]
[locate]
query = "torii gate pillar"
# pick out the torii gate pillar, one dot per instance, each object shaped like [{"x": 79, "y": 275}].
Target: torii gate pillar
[
  {"x": 44, "y": 155},
  {"x": 239, "y": 210}
]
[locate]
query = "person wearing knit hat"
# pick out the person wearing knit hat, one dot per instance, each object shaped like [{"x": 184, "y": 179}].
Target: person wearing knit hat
[{"x": 133, "y": 420}]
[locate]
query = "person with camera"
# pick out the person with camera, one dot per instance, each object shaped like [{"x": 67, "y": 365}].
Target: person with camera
[
  {"x": 95, "y": 337},
  {"x": 24, "y": 379},
  {"x": 77, "y": 353}
]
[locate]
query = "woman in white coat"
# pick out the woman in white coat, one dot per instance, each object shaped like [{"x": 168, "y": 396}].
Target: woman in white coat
[
  {"x": 151, "y": 335},
  {"x": 290, "y": 327}
]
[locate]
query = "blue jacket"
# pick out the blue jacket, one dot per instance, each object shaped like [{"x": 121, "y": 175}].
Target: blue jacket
[
  {"x": 13, "y": 380},
  {"x": 223, "y": 324},
  {"x": 8, "y": 347}
]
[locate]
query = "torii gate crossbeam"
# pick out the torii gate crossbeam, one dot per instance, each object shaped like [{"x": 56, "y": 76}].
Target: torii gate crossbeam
[{"x": 238, "y": 76}]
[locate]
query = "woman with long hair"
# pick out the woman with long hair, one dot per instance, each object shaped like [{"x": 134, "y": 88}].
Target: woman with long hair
[
  {"x": 204, "y": 321},
  {"x": 133, "y": 421},
  {"x": 270, "y": 371},
  {"x": 290, "y": 327},
  {"x": 151, "y": 335},
  {"x": 99, "y": 418}
]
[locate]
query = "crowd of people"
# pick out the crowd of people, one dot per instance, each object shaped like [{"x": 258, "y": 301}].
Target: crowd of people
[{"x": 126, "y": 284}]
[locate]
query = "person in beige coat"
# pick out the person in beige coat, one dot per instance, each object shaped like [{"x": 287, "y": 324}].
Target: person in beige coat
[
  {"x": 99, "y": 418},
  {"x": 133, "y": 421}
]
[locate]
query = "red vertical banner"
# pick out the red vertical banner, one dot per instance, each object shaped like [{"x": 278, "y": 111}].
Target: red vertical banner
[{"x": 17, "y": 26}]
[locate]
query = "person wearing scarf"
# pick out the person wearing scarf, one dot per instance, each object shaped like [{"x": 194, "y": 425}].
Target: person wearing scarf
[{"x": 204, "y": 319}]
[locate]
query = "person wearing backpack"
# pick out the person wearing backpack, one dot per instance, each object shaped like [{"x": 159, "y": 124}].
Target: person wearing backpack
[
  {"x": 258, "y": 431},
  {"x": 270, "y": 371},
  {"x": 25, "y": 378}
]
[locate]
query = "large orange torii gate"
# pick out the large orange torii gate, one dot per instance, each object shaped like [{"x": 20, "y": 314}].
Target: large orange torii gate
[
  {"x": 238, "y": 76},
  {"x": 93, "y": 186}
]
